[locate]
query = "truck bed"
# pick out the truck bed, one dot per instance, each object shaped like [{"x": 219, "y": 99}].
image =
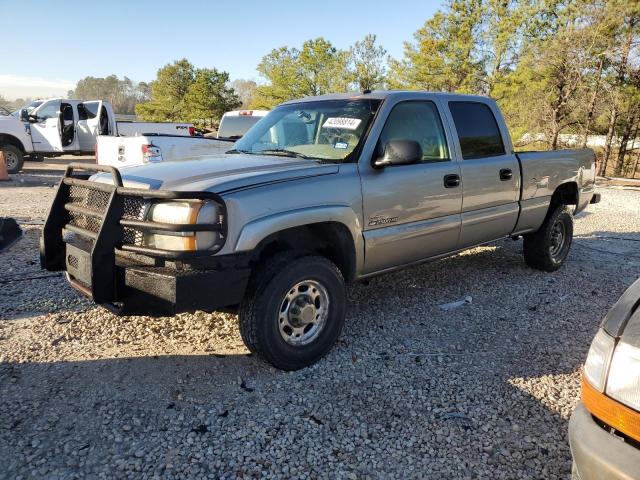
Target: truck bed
[
  {"x": 129, "y": 151},
  {"x": 129, "y": 129}
]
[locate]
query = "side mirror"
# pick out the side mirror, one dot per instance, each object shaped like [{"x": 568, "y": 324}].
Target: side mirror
[
  {"x": 399, "y": 152},
  {"x": 33, "y": 118},
  {"x": 24, "y": 115}
]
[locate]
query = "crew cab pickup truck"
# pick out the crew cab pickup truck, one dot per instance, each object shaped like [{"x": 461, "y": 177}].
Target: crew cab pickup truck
[
  {"x": 128, "y": 151},
  {"x": 61, "y": 127},
  {"x": 321, "y": 192}
]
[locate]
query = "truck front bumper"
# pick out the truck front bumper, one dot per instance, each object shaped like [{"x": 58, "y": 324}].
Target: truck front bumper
[
  {"x": 160, "y": 291},
  {"x": 95, "y": 232},
  {"x": 597, "y": 454}
]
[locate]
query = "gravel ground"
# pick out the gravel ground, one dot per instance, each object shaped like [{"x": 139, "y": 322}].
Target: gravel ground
[{"x": 410, "y": 391}]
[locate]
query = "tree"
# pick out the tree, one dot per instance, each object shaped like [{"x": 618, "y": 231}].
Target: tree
[
  {"x": 123, "y": 94},
  {"x": 4, "y": 103},
  {"x": 168, "y": 93},
  {"x": 443, "y": 56},
  {"x": 209, "y": 96},
  {"x": 367, "y": 64},
  {"x": 316, "y": 69},
  {"x": 244, "y": 89}
]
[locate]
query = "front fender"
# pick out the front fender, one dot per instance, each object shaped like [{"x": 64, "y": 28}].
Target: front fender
[{"x": 259, "y": 229}]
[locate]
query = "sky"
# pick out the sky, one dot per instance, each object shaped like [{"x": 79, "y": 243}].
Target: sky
[{"x": 47, "y": 46}]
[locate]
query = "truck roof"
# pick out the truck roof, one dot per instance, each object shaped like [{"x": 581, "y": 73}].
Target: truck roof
[{"x": 385, "y": 94}]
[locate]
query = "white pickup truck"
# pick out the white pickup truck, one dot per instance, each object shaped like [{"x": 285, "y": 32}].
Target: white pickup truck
[
  {"x": 137, "y": 150},
  {"x": 68, "y": 127}
]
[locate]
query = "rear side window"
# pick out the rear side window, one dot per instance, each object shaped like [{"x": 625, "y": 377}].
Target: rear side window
[
  {"x": 87, "y": 111},
  {"x": 477, "y": 130}
]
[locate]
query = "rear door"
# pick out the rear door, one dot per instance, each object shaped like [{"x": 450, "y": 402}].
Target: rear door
[
  {"x": 490, "y": 173},
  {"x": 411, "y": 212},
  {"x": 46, "y": 131},
  {"x": 88, "y": 124}
]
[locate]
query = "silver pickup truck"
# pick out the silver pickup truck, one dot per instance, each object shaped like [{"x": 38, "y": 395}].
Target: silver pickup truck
[{"x": 321, "y": 192}]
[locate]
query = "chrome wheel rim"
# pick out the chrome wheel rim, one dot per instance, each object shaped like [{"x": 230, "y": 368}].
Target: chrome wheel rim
[
  {"x": 558, "y": 236},
  {"x": 11, "y": 160},
  {"x": 303, "y": 313}
]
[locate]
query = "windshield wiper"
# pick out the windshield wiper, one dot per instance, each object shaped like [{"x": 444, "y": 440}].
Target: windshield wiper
[
  {"x": 288, "y": 153},
  {"x": 235, "y": 150}
]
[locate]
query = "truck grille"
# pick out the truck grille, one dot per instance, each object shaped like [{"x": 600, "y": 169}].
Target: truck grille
[{"x": 97, "y": 201}]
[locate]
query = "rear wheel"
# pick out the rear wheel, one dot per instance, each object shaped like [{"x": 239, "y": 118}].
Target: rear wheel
[
  {"x": 293, "y": 311},
  {"x": 548, "y": 248},
  {"x": 13, "y": 157}
]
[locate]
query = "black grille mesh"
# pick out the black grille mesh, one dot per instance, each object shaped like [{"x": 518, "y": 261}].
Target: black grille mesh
[
  {"x": 133, "y": 210},
  {"x": 92, "y": 199},
  {"x": 98, "y": 201}
]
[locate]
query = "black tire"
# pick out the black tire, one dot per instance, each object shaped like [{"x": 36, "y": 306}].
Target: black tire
[
  {"x": 13, "y": 158},
  {"x": 260, "y": 314},
  {"x": 547, "y": 249}
]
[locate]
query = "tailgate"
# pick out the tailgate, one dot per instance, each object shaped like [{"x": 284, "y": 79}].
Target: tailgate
[{"x": 119, "y": 151}]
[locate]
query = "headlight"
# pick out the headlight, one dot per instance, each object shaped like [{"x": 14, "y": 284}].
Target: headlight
[
  {"x": 597, "y": 364},
  {"x": 183, "y": 212},
  {"x": 623, "y": 383}
]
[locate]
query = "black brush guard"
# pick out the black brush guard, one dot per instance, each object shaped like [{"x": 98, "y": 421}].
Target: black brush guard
[{"x": 89, "y": 222}]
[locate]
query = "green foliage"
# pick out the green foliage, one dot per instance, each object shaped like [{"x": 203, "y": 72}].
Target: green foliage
[
  {"x": 368, "y": 64},
  {"x": 318, "y": 68},
  {"x": 184, "y": 93},
  {"x": 443, "y": 56},
  {"x": 208, "y": 97},
  {"x": 168, "y": 93}
]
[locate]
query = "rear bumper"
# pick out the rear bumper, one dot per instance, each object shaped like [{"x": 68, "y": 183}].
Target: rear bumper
[{"x": 598, "y": 454}]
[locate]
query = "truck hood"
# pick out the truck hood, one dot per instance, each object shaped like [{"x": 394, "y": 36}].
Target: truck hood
[{"x": 219, "y": 173}]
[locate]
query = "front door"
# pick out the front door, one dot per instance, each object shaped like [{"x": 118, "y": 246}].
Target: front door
[
  {"x": 411, "y": 212},
  {"x": 88, "y": 124},
  {"x": 68, "y": 122},
  {"x": 490, "y": 175},
  {"x": 46, "y": 130}
]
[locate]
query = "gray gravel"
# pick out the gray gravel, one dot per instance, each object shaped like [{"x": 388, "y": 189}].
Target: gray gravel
[{"x": 410, "y": 391}]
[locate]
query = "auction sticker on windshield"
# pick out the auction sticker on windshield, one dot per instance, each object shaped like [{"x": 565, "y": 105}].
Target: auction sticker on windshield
[{"x": 342, "y": 122}]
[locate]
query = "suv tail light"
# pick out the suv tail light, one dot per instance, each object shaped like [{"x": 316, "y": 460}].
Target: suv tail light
[
  {"x": 192, "y": 131},
  {"x": 151, "y": 153}
]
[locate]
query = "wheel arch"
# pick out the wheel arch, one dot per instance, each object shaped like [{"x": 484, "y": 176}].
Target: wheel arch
[
  {"x": 565, "y": 194},
  {"x": 7, "y": 139},
  {"x": 336, "y": 237}
]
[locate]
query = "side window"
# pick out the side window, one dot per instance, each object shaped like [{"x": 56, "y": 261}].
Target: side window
[
  {"x": 92, "y": 109},
  {"x": 477, "y": 130},
  {"x": 48, "y": 110},
  {"x": 418, "y": 121},
  {"x": 84, "y": 113}
]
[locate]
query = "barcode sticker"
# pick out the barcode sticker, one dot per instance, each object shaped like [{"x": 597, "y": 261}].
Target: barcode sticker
[{"x": 342, "y": 122}]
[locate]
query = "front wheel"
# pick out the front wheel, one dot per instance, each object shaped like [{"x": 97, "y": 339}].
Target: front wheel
[
  {"x": 548, "y": 248},
  {"x": 293, "y": 311},
  {"x": 13, "y": 157}
]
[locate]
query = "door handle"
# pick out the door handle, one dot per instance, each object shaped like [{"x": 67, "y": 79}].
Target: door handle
[
  {"x": 451, "y": 181},
  {"x": 506, "y": 174}
]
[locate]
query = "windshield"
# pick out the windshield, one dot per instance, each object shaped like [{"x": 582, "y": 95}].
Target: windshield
[{"x": 324, "y": 130}]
